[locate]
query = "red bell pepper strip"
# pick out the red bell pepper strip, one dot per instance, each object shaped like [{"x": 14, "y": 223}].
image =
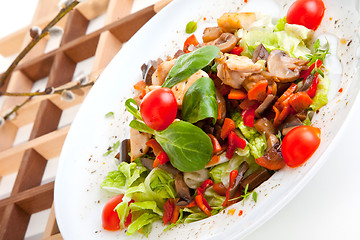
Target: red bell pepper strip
[
  {"x": 304, "y": 74},
  {"x": 233, "y": 175},
  {"x": 246, "y": 104},
  {"x": 155, "y": 146},
  {"x": 215, "y": 143},
  {"x": 312, "y": 89},
  {"x": 237, "y": 94},
  {"x": 215, "y": 159},
  {"x": 163, "y": 157},
  {"x": 237, "y": 50},
  {"x": 285, "y": 95},
  {"x": 300, "y": 101},
  {"x": 190, "y": 205},
  {"x": 258, "y": 92},
  {"x": 200, "y": 203},
  {"x": 190, "y": 41},
  {"x": 248, "y": 116},
  {"x": 234, "y": 142},
  {"x": 175, "y": 215},
  {"x": 228, "y": 126},
  {"x": 168, "y": 207},
  {"x": 207, "y": 183}
]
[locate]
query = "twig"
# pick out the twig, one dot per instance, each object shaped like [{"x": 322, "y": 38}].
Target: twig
[
  {"x": 16, "y": 108},
  {"x": 47, "y": 91},
  {"x": 34, "y": 41}
]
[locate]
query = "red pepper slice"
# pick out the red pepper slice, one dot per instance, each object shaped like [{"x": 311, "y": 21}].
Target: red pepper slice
[
  {"x": 233, "y": 175},
  {"x": 200, "y": 203},
  {"x": 312, "y": 89},
  {"x": 215, "y": 143},
  {"x": 248, "y": 116},
  {"x": 228, "y": 126},
  {"x": 207, "y": 183},
  {"x": 304, "y": 74},
  {"x": 168, "y": 207},
  {"x": 190, "y": 41},
  {"x": 163, "y": 157},
  {"x": 237, "y": 50},
  {"x": 234, "y": 142}
]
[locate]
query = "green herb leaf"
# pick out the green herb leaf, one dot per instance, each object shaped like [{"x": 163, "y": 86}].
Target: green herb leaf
[
  {"x": 214, "y": 67},
  {"x": 191, "y": 27},
  {"x": 109, "y": 115},
  {"x": 188, "y": 147},
  {"x": 320, "y": 52},
  {"x": 133, "y": 108},
  {"x": 140, "y": 126},
  {"x": 200, "y": 101},
  {"x": 254, "y": 196},
  {"x": 188, "y": 64},
  {"x": 115, "y": 146}
]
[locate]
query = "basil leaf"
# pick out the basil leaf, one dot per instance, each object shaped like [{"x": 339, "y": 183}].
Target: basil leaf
[
  {"x": 187, "y": 146},
  {"x": 191, "y": 27},
  {"x": 200, "y": 101},
  {"x": 132, "y": 109},
  {"x": 140, "y": 126},
  {"x": 188, "y": 64}
]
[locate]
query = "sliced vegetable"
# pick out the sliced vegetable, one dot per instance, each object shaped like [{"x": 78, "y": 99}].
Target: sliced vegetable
[
  {"x": 300, "y": 101},
  {"x": 237, "y": 94},
  {"x": 190, "y": 41},
  {"x": 200, "y": 101},
  {"x": 188, "y": 64},
  {"x": 200, "y": 203},
  {"x": 215, "y": 143},
  {"x": 258, "y": 92},
  {"x": 168, "y": 207},
  {"x": 110, "y": 218},
  {"x": 300, "y": 144},
  {"x": 248, "y": 116},
  {"x": 229, "y": 125},
  {"x": 308, "y": 13},
  {"x": 237, "y": 50}
]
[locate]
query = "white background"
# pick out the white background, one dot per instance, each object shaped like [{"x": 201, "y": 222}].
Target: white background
[{"x": 327, "y": 208}]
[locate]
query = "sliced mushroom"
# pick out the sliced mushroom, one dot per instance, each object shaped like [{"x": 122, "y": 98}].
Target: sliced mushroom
[
  {"x": 271, "y": 141},
  {"x": 230, "y": 22},
  {"x": 233, "y": 69},
  {"x": 289, "y": 123},
  {"x": 284, "y": 67},
  {"x": 260, "y": 53},
  {"x": 124, "y": 151},
  {"x": 265, "y": 105},
  {"x": 273, "y": 159},
  {"x": 264, "y": 126},
  {"x": 255, "y": 179},
  {"x": 138, "y": 145},
  {"x": 148, "y": 163},
  {"x": 182, "y": 189},
  {"x": 194, "y": 179},
  {"x": 221, "y": 105},
  {"x": 148, "y": 70},
  {"x": 307, "y": 83},
  {"x": 226, "y": 42},
  {"x": 244, "y": 166},
  {"x": 211, "y": 33}
]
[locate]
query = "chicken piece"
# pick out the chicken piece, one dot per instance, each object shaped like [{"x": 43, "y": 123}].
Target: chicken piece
[
  {"x": 180, "y": 88},
  {"x": 138, "y": 145},
  {"x": 233, "y": 69},
  {"x": 230, "y": 22},
  {"x": 161, "y": 72}
]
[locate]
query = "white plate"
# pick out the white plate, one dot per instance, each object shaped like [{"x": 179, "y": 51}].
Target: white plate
[{"x": 78, "y": 197}]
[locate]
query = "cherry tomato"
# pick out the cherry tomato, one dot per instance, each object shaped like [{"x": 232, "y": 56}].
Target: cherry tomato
[
  {"x": 158, "y": 108},
  {"x": 300, "y": 144},
  {"x": 110, "y": 218},
  {"x": 308, "y": 13}
]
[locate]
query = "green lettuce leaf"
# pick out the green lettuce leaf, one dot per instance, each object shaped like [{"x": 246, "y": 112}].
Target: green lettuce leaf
[
  {"x": 322, "y": 91},
  {"x": 146, "y": 205},
  {"x": 217, "y": 171},
  {"x": 141, "y": 221},
  {"x": 160, "y": 186},
  {"x": 257, "y": 145},
  {"x": 280, "y": 25},
  {"x": 214, "y": 199}
]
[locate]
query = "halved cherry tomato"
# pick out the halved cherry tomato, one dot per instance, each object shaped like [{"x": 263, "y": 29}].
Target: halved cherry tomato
[
  {"x": 158, "y": 108},
  {"x": 300, "y": 144},
  {"x": 308, "y": 13},
  {"x": 110, "y": 218}
]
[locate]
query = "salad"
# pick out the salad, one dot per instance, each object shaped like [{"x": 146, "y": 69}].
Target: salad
[{"x": 218, "y": 118}]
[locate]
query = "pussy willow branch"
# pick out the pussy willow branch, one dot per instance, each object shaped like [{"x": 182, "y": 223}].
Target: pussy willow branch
[
  {"x": 46, "y": 91},
  {"x": 34, "y": 41}
]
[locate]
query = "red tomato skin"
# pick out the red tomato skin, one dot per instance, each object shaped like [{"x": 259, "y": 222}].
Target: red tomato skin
[
  {"x": 158, "y": 108},
  {"x": 300, "y": 144},
  {"x": 110, "y": 218},
  {"x": 308, "y": 13}
]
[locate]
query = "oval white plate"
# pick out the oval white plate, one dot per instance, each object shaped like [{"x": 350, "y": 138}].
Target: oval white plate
[{"x": 78, "y": 197}]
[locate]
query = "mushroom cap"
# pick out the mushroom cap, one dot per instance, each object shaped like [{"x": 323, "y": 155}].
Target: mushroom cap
[
  {"x": 284, "y": 67},
  {"x": 226, "y": 42}
]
